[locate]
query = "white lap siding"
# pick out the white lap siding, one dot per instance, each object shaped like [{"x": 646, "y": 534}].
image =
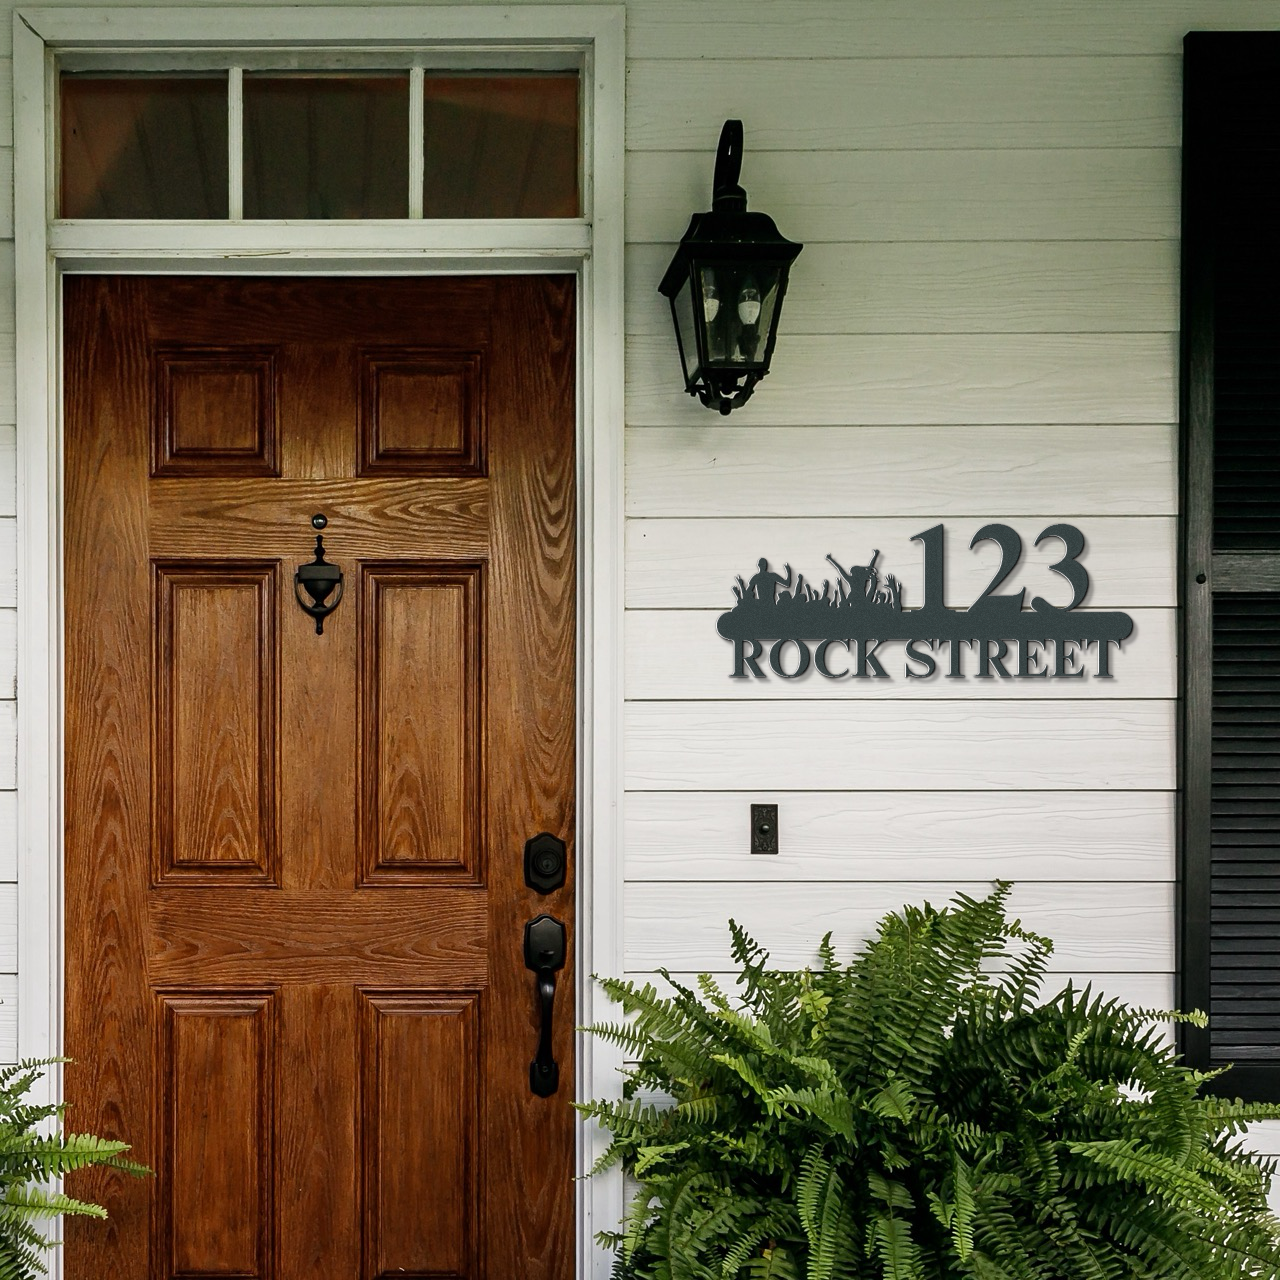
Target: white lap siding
[{"x": 982, "y": 327}]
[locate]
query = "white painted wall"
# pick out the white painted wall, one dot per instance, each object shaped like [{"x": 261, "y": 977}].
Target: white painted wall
[{"x": 981, "y": 327}]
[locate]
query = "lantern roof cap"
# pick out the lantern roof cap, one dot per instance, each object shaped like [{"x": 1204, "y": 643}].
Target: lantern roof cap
[{"x": 728, "y": 237}]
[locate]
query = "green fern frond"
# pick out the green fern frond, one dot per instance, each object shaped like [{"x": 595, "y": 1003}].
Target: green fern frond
[
  {"x": 821, "y": 1202},
  {"x": 33, "y": 1202},
  {"x": 896, "y": 1100},
  {"x": 923, "y": 1113},
  {"x": 898, "y": 1253},
  {"x": 30, "y": 1157}
]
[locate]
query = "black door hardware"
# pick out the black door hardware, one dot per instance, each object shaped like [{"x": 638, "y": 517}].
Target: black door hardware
[
  {"x": 764, "y": 828},
  {"x": 544, "y": 863},
  {"x": 544, "y": 954},
  {"x": 319, "y": 579}
]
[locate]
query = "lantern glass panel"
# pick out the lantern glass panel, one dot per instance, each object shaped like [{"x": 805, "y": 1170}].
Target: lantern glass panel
[
  {"x": 739, "y": 301},
  {"x": 686, "y": 331}
]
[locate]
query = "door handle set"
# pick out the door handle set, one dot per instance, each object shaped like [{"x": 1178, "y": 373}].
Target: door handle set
[
  {"x": 544, "y": 948},
  {"x": 545, "y": 859}
]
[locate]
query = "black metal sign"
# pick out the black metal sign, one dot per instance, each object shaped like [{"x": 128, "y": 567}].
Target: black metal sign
[{"x": 788, "y": 625}]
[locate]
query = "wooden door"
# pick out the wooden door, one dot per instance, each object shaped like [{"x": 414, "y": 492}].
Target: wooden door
[{"x": 295, "y": 896}]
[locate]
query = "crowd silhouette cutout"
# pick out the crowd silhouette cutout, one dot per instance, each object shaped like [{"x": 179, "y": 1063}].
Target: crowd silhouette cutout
[{"x": 862, "y": 604}]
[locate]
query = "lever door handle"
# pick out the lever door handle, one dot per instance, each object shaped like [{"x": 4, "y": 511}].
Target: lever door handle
[{"x": 544, "y": 946}]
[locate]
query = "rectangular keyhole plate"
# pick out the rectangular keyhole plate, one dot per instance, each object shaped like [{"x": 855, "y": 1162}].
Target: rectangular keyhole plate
[{"x": 764, "y": 828}]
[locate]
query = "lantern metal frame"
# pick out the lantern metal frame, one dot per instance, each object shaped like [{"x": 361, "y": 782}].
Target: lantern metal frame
[{"x": 727, "y": 240}]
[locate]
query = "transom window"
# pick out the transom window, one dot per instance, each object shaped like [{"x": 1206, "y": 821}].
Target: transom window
[{"x": 241, "y": 143}]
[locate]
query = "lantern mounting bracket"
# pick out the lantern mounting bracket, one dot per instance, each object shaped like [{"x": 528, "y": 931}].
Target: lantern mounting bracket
[{"x": 726, "y": 194}]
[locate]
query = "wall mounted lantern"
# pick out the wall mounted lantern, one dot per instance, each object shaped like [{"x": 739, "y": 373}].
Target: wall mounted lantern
[{"x": 726, "y": 285}]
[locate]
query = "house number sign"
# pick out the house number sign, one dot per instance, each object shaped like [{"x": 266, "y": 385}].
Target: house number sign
[{"x": 784, "y": 626}]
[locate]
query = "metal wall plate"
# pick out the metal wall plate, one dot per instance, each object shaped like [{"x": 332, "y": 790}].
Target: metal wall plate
[{"x": 764, "y": 828}]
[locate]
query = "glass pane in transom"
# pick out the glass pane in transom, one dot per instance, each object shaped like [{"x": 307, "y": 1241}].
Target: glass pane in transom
[
  {"x": 501, "y": 146},
  {"x": 143, "y": 146},
  {"x": 326, "y": 146}
]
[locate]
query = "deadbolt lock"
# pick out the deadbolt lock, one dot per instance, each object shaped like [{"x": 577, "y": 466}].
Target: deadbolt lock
[{"x": 545, "y": 863}]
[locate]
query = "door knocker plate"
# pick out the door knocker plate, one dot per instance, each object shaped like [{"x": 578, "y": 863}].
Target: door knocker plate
[{"x": 318, "y": 579}]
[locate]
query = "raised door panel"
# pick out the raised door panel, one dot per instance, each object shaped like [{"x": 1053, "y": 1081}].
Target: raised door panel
[
  {"x": 215, "y": 411},
  {"x": 419, "y": 1148},
  {"x": 216, "y": 731},
  {"x": 216, "y": 1087},
  {"x": 421, "y": 723},
  {"x": 422, "y": 412}
]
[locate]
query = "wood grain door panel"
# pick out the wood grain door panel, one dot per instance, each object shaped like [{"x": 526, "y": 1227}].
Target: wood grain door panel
[
  {"x": 422, "y": 778},
  {"x": 215, "y": 412},
  {"x": 216, "y": 738},
  {"x": 422, "y": 412},
  {"x": 420, "y": 1112},
  {"x": 295, "y": 899},
  {"x": 216, "y": 1133}
]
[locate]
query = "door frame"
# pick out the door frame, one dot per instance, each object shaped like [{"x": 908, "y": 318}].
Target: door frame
[{"x": 590, "y": 247}]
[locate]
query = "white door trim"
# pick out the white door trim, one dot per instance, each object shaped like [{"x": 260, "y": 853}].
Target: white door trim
[{"x": 591, "y": 247}]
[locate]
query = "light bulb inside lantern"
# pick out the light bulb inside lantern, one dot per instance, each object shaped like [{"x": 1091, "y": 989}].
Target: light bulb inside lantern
[
  {"x": 749, "y": 304},
  {"x": 710, "y": 300}
]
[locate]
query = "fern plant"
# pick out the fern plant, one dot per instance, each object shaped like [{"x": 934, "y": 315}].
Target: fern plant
[
  {"x": 922, "y": 1114},
  {"x": 30, "y": 1158}
]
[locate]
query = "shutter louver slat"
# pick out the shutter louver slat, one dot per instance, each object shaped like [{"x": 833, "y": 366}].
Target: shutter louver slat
[
  {"x": 1246, "y": 388},
  {"x": 1244, "y": 904}
]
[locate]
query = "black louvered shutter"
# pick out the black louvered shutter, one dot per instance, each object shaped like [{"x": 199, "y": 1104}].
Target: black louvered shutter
[
  {"x": 1244, "y": 909},
  {"x": 1229, "y": 957}
]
